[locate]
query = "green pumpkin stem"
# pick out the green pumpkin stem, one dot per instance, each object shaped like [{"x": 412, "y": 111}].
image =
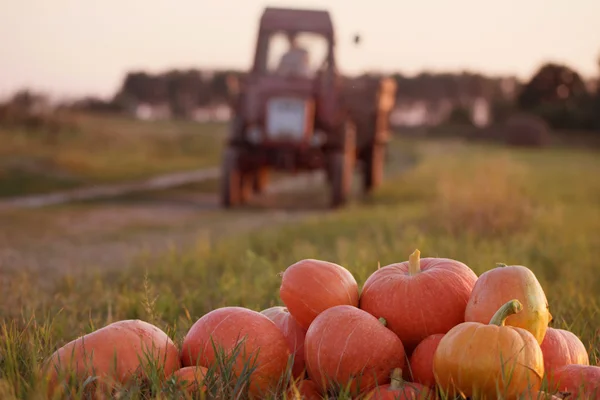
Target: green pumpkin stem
[
  {"x": 414, "y": 263},
  {"x": 512, "y": 307},
  {"x": 501, "y": 265},
  {"x": 397, "y": 381},
  {"x": 383, "y": 321}
]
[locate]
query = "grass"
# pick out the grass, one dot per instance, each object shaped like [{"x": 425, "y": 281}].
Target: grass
[
  {"x": 475, "y": 203},
  {"x": 94, "y": 149}
]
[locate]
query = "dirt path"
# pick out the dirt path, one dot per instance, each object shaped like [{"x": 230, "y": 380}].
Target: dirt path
[{"x": 113, "y": 232}]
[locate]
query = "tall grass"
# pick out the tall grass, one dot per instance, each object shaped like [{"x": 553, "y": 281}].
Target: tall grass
[
  {"x": 100, "y": 150},
  {"x": 477, "y": 204}
]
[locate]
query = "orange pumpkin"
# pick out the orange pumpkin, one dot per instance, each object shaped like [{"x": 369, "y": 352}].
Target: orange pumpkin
[
  {"x": 116, "y": 354},
  {"x": 419, "y": 297},
  {"x": 191, "y": 379},
  {"x": 304, "y": 390},
  {"x": 421, "y": 360},
  {"x": 257, "y": 341},
  {"x": 310, "y": 287},
  {"x": 503, "y": 283},
  {"x": 400, "y": 390},
  {"x": 476, "y": 359},
  {"x": 582, "y": 381},
  {"x": 560, "y": 348},
  {"x": 292, "y": 332},
  {"x": 349, "y": 348}
]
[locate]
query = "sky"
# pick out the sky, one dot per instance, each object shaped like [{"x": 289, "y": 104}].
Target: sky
[{"x": 85, "y": 47}]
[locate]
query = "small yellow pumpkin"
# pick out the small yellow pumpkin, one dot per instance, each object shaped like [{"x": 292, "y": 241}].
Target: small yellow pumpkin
[
  {"x": 482, "y": 359},
  {"x": 499, "y": 285}
]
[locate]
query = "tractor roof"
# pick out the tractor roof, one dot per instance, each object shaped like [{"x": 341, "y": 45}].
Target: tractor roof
[{"x": 290, "y": 19}]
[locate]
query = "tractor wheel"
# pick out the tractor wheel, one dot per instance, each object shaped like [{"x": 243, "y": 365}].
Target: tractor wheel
[
  {"x": 231, "y": 179},
  {"x": 342, "y": 169},
  {"x": 246, "y": 185},
  {"x": 374, "y": 167},
  {"x": 261, "y": 180}
]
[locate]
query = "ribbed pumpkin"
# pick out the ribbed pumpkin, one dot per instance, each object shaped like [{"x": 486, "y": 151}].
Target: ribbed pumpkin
[
  {"x": 117, "y": 353},
  {"x": 398, "y": 389},
  {"x": 191, "y": 379},
  {"x": 346, "y": 347},
  {"x": 419, "y": 297},
  {"x": 258, "y": 341},
  {"x": 304, "y": 390},
  {"x": 561, "y": 347},
  {"x": 421, "y": 360},
  {"x": 476, "y": 359},
  {"x": 582, "y": 381},
  {"x": 294, "y": 334},
  {"x": 310, "y": 287},
  {"x": 503, "y": 283}
]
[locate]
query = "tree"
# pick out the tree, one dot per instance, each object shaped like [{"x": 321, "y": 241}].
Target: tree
[{"x": 558, "y": 94}]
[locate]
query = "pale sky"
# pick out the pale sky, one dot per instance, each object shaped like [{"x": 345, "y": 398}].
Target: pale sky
[{"x": 80, "y": 47}]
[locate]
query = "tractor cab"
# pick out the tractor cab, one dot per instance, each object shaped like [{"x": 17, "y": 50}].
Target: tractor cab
[{"x": 289, "y": 92}]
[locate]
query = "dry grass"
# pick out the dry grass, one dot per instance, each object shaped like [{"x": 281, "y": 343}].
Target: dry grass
[
  {"x": 487, "y": 200},
  {"x": 103, "y": 149}
]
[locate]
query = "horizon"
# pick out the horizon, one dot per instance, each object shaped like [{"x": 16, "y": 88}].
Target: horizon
[{"x": 113, "y": 38}]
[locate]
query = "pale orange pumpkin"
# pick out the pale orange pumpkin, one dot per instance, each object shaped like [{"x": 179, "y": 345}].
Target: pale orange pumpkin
[
  {"x": 310, "y": 287},
  {"x": 294, "y": 334},
  {"x": 346, "y": 347},
  {"x": 191, "y": 379},
  {"x": 419, "y": 297},
  {"x": 503, "y": 283},
  {"x": 257, "y": 340},
  {"x": 115, "y": 354},
  {"x": 421, "y": 360},
  {"x": 398, "y": 389},
  {"x": 561, "y": 347},
  {"x": 476, "y": 359},
  {"x": 582, "y": 381}
]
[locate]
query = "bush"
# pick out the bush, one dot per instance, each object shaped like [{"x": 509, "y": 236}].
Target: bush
[{"x": 526, "y": 130}]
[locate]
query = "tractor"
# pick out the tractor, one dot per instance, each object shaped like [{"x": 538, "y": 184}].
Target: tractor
[{"x": 294, "y": 112}]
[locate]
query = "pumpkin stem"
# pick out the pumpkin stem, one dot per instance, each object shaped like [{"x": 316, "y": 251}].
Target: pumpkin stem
[
  {"x": 383, "y": 321},
  {"x": 397, "y": 381},
  {"x": 501, "y": 265},
  {"x": 414, "y": 263},
  {"x": 512, "y": 307}
]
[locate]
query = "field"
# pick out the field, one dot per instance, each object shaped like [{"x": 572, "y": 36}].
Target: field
[
  {"x": 88, "y": 149},
  {"x": 480, "y": 204}
]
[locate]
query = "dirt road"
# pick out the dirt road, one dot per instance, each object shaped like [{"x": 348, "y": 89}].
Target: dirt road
[{"x": 113, "y": 233}]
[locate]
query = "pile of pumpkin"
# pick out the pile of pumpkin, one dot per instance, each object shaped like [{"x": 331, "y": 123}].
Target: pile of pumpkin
[{"x": 424, "y": 328}]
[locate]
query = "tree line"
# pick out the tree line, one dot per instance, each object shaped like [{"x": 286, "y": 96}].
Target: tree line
[{"x": 556, "y": 93}]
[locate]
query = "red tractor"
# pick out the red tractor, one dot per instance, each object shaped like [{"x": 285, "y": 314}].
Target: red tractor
[{"x": 294, "y": 112}]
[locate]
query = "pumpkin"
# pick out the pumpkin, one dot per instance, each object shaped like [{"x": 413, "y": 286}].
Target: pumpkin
[
  {"x": 503, "y": 283},
  {"x": 582, "y": 381},
  {"x": 252, "y": 338},
  {"x": 115, "y": 354},
  {"x": 292, "y": 332},
  {"x": 419, "y": 297},
  {"x": 191, "y": 379},
  {"x": 560, "y": 348},
  {"x": 398, "y": 389},
  {"x": 310, "y": 287},
  {"x": 346, "y": 347},
  {"x": 475, "y": 358},
  {"x": 304, "y": 390},
  {"x": 421, "y": 360}
]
